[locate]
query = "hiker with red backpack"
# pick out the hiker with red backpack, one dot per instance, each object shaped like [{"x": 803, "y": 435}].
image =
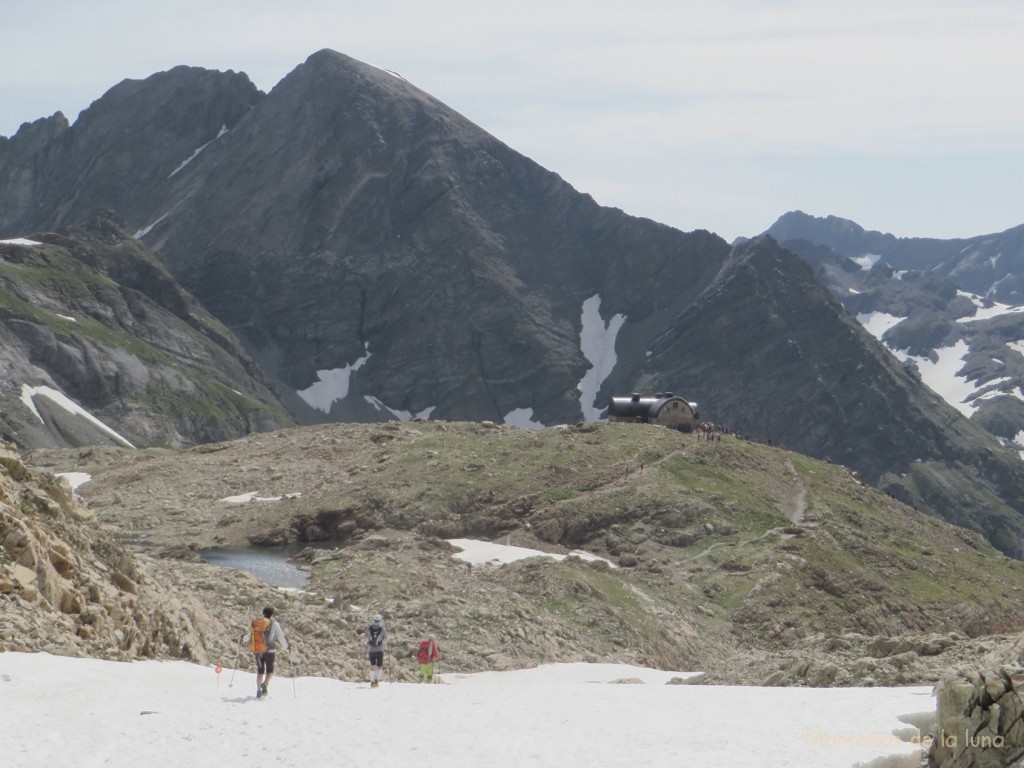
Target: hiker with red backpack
[
  {"x": 265, "y": 639},
  {"x": 428, "y": 653}
]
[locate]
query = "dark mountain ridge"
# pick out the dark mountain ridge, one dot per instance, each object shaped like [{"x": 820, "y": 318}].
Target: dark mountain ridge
[{"x": 989, "y": 265}]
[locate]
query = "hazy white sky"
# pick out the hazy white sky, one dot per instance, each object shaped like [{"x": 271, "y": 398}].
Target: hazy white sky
[{"x": 905, "y": 116}]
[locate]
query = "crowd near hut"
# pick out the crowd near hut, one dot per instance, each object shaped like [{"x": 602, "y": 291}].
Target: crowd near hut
[{"x": 664, "y": 408}]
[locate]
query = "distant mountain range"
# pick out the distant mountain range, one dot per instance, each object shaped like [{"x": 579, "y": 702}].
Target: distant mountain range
[
  {"x": 369, "y": 254},
  {"x": 951, "y": 310}
]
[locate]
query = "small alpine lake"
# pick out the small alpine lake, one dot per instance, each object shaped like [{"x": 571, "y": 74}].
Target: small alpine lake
[{"x": 268, "y": 564}]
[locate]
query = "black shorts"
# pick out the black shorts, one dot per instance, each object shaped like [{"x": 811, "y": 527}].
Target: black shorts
[
  {"x": 376, "y": 658},
  {"x": 265, "y": 663}
]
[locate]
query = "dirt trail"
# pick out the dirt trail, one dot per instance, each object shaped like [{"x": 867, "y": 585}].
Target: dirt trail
[{"x": 796, "y": 505}]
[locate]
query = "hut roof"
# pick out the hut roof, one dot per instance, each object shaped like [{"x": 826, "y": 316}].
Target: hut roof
[{"x": 642, "y": 406}]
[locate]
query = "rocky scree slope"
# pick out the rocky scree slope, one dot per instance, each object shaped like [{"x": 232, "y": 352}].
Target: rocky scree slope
[{"x": 67, "y": 587}]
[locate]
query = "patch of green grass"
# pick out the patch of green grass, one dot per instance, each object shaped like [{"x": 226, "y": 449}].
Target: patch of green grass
[
  {"x": 734, "y": 591},
  {"x": 583, "y": 596},
  {"x": 59, "y": 275},
  {"x": 84, "y": 326}
]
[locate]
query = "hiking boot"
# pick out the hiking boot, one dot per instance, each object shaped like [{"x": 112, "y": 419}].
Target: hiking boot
[
  {"x": 263, "y": 688},
  {"x": 259, "y": 691},
  {"x": 373, "y": 683}
]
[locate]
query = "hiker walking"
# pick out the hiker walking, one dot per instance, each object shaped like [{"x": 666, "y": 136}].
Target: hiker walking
[
  {"x": 265, "y": 639},
  {"x": 375, "y": 638},
  {"x": 426, "y": 656}
]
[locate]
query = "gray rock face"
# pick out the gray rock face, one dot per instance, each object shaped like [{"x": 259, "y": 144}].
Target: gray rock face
[
  {"x": 128, "y": 144},
  {"x": 348, "y": 215},
  {"x": 19, "y": 159},
  {"x": 980, "y": 719}
]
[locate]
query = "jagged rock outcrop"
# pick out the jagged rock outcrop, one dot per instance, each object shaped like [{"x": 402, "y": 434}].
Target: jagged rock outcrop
[
  {"x": 19, "y": 159},
  {"x": 68, "y": 588},
  {"x": 980, "y": 719},
  {"x": 127, "y": 160}
]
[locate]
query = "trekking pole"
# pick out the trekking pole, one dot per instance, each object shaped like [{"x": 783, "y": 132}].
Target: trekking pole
[
  {"x": 238, "y": 653},
  {"x": 291, "y": 668}
]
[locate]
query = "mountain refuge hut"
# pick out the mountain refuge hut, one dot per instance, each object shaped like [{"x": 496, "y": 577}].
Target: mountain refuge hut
[{"x": 663, "y": 408}]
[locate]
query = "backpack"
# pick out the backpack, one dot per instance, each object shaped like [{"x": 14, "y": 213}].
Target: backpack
[
  {"x": 258, "y": 642},
  {"x": 376, "y": 636},
  {"x": 425, "y": 654}
]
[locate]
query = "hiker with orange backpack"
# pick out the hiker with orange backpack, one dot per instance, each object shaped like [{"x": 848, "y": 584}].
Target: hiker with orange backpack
[
  {"x": 265, "y": 639},
  {"x": 428, "y": 653}
]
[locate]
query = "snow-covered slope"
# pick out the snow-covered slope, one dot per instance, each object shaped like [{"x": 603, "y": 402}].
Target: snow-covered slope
[{"x": 60, "y": 711}]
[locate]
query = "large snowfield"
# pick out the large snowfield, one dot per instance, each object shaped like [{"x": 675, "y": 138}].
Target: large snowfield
[{"x": 63, "y": 712}]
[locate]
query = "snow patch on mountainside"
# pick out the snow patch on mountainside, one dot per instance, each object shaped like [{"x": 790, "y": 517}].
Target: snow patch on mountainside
[
  {"x": 986, "y": 310},
  {"x": 483, "y": 552},
  {"x": 877, "y": 323},
  {"x": 866, "y": 261},
  {"x": 943, "y": 375},
  {"x": 333, "y": 384},
  {"x": 400, "y": 415},
  {"x": 28, "y": 395},
  {"x": 522, "y": 417},
  {"x": 597, "y": 343},
  {"x": 223, "y": 130}
]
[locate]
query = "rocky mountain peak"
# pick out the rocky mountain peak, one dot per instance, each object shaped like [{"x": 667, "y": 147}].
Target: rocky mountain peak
[
  {"x": 845, "y": 236},
  {"x": 39, "y": 132},
  {"x": 380, "y": 257},
  {"x": 130, "y": 142}
]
